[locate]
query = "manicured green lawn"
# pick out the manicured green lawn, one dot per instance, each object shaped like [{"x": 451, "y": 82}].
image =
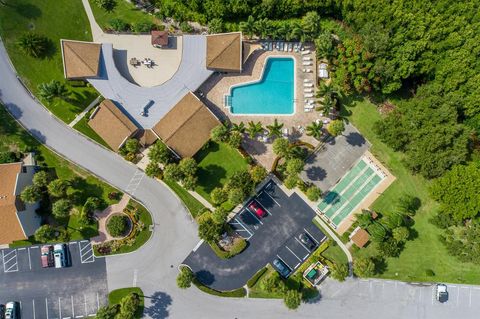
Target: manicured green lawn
[
  {"x": 115, "y": 296},
  {"x": 426, "y": 251},
  {"x": 192, "y": 204},
  {"x": 82, "y": 126},
  {"x": 124, "y": 10},
  {"x": 83, "y": 184},
  {"x": 55, "y": 19},
  {"x": 216, "y": 164}
]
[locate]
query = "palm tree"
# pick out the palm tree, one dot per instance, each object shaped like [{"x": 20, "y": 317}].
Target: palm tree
[
  {"x": 254, "y": 128},
  {"x": 248, "y": 26},
  {"x": 315, "y": 130},
  {"x": 238, "y": 127},
  {"x": 275, "y": 129},
  {"x": 33, "y": 44},
  {"x": 297, "y": 31},
  {"x": 282, "y": 31},
  {"x": 326, "y": 89},
  {"x": 328, "y": 104},
  {"x": 53, "y": 89},
  {"x": 262, "y": 28}
]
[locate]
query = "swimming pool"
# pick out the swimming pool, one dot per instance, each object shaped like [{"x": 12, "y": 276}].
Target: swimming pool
[{"x": 272, "y": 94}]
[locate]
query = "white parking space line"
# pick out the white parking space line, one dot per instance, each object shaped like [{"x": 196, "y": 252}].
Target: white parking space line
[
  {"x": 85, "y": 300},
  {"x": 271, "y": 198},
  {"x": 86, "y": 253},
  {"x": 311, "y": 236},
  {"x": 46, "y": 306},
  {"x": 33, "y": 307},
  {"x": 299, "y": 259},
  {"x": 135, "y": 275},
  {"x": 29, "y": 260},
  {"x": 268, "y": 212},
  {"x": 98, "y": 302},
  {"x": 73, "y": 308},
  {"x": 244, "y": 227},
  {"x": 59, "y": 308},
  {"x": 248, "y": 210}
]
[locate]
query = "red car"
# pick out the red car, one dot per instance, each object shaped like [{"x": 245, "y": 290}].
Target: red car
[
  {"x": 47, "y": 256},
  {"x": 255, "y": 208}
]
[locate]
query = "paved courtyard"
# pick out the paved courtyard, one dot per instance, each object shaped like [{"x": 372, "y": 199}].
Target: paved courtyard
[{"x": 329, "y": 164}]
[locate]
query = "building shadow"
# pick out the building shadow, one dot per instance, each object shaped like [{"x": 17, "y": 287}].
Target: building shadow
[{"x": 121, "y": 63}]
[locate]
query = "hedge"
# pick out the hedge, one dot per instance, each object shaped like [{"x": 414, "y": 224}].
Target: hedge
[
  {"x": 252, "y": 281},
  {"x": 237, "y": 293}
]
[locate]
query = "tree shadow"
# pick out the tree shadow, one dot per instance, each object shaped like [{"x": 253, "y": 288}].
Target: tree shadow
[
  {"x": 39, "y": 136},
  {"x": 207, "y": 149},
  {"x": 83, "y": 190},
  {"x": 50, "y": 49},
  {"x": 253, "y": 146},
  {"x": 158, "y": 309},
  {"x": 80, "y": 100},
  {"x": 316, "y": 173},
  {"x": 380, "y": 264},
  {"x": 205, "y": 277},
  {"x": 28, "y": 10},
  {"x": 355, "y": 139},
  {"x": 14, "y": 110},
  {"x": 210, "y": 176}
]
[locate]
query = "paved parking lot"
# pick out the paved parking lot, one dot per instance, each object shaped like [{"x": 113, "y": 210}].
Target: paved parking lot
[
  {"x": 293, "y": 253},
  {"x": 73, "y": 292},
  {"x": 273, "y": 234}
]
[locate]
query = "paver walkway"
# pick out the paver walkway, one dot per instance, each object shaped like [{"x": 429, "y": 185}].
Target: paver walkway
[
  {"x": 103, "y": 235},
  {"x": 81, "y": 115}
]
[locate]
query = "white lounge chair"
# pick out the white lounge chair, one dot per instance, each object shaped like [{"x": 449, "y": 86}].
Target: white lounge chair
[
  {"x": 308, "y": 85},
  {"x": 307, "y": 70},
  {"x": 309, "y": 95},
  {"x": 307, "y": 63},
  {"x": 306, "y": 58},
  {"x": 285, "y": 132},
  {"x": 307, "y": 81},
  {"x": 309, "y": 101},
  {"x": 308, "y": 90},
  {"x": 305, "y": 52}
]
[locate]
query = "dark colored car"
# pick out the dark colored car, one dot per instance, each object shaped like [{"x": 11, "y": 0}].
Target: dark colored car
[
  {"x": 281, "y": 267},
  {"x": 255, "y": 208},
  {"x": 47, "y": 256},
  {"x": 307, "y": 241},
  {"x": 2, "y": 311}
]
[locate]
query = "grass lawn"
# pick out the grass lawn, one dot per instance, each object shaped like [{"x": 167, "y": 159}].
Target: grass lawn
[
  {"x": 426, "y": 251},
  {"x": 124, "y": 10},
  {"x": 55, "y": 19},
  {"x": 82, "y": 126},
  {"x": 83, "y": 185},
  {"x": 115, "y": 296},
  {"x": 192, "y": 204},
  {"x": 216, "y": 164}
]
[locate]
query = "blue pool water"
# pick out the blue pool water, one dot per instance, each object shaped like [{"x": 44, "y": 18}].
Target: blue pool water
[{"x": 273, "y": 94}]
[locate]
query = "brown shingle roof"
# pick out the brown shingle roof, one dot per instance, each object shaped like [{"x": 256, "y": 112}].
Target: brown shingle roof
[
  {"x": 159, "y": 37},
  {"x": 360, "y": 237},
  {"x": 10, "y": 228},
  {"x": 186, "y": 127},
  {"x": 111, "y": 124},
  {"x": 146, "y": 137},
  {"x": 224, "y": 52},
  {"x": 80, "y": 59}
]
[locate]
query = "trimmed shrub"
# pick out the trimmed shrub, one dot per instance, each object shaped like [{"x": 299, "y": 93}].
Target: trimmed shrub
[
  {"x": 252, "y": 281},
  {"x": 117, "y": 225}
]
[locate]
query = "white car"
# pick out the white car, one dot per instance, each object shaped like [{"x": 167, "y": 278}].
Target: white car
[
  {"x": 442, "y": 293},
  {"x": 59, "y": 254},
  {"x": 12, "y": 310}
]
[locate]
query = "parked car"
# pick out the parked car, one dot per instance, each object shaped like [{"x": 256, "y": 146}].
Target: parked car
[
  {"x": 12, "y": 310},
  {"x": 60, "y": 255},
  {"x": 2, "y": 311},
  {"x": 281, "y": 267},
  {"x": 307, "y": 241},
  {"x": 442, "y": 293},
  {"x": 47, "y": 256},
  {"x": 255, "y": 208}
]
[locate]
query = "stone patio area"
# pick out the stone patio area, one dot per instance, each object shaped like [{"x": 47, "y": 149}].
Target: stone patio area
[{"x": 102, "y": 217}]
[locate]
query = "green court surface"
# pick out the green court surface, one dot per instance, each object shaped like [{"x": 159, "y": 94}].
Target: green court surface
[{"x": 349, "y": 192}]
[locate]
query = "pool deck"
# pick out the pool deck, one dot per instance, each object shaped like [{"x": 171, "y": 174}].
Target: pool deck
[{"x": 218, "y": 85}]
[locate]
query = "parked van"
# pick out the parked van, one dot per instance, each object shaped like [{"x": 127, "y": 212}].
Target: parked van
[{"x": 59, "y": 255}]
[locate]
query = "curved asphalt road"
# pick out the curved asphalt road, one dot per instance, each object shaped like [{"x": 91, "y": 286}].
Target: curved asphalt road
[{"x": 153, "y": 267}]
